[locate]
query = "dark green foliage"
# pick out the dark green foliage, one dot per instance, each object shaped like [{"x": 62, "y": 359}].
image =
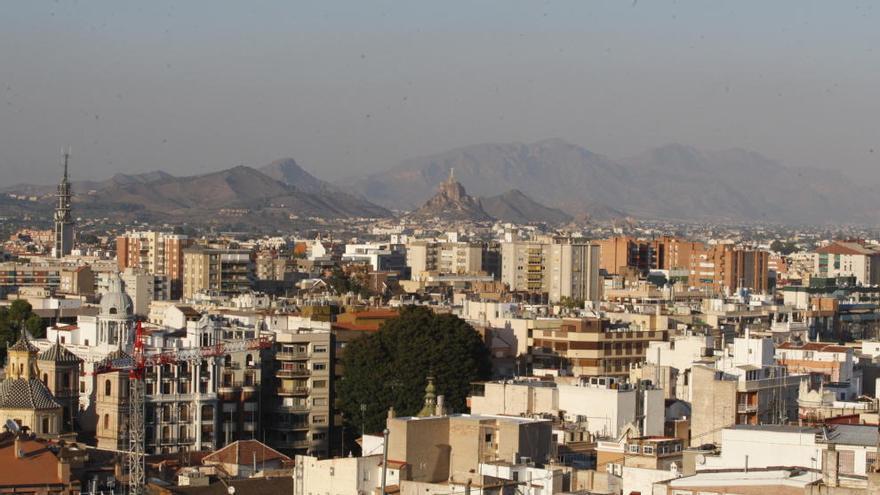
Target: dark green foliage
[
  {"x": 784, "y": 248},
  {"x": 11, "y": 319},
  {"x": 389, "y": 368}
]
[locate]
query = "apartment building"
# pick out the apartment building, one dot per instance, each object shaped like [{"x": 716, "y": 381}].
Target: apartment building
[
  {"x": 829, "y": 362},
  {"x": 380, "y": 256},
  {"x": 724, "y": 269},
  {"x": 848, "y": 259},
  {"x": 574, "y": 272},
  {"x": 523, "y": 266},
  {"x": 560, "y": 268},
  {"x": 590, "y": 347},
  {"x": 444, "y": 258},
  {"x": 746, "y": 395},
  {"x": 301, "y": 415},
  {"x": 619, "y": 253},
  {"x": 603, "y": 404},
  {"x": 468, "y": 441},
  {"x": 222, "y": 271},
  {"x": 159, "y": 253}
]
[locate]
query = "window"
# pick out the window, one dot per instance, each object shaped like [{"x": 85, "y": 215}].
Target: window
[
  {"x": 106, "y": 422},
  {"x": 319, "y": 420},
  {"x": 319, "y": 366},
  {"x": 648, "y": 450},
  {"x": 319, "y": 383},
  {"x": 107, "y": 388},
  {"x": 633, "y": 449},
  {"x": 319, "y": 401},
  {"x": 320, "y": 349},
  {"x": 319, "y": 436},
  {"x": 87, "y": 342}
]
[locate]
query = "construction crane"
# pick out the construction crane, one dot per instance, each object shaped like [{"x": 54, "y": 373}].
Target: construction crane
[{"x": 136, "y": 365}]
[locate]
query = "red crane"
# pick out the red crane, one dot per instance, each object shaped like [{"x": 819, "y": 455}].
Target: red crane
[{"x": 136, "y": 365}]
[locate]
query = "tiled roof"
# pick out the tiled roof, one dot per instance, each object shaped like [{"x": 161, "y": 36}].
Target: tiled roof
[
  {"x": 58, "y": 354},
  {"x": 18, "y": 393},
  {"x": 814, "y": 346},
  {"x": 244, "y": 452},
  {"x": 842, "y": 247},
  {"x": 39, "y": 467},
  {"x": 23, "y": 344}
]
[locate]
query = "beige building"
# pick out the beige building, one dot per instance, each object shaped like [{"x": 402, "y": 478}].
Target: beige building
[
  {"x": 574, "y": 272},
  {"x": 560, "y": 268},
  {"x": 25, "y": 399},
  {"x": 445, "y": 258},
  {"x": 303, "y": 417},
  {"x": 754, "y": 395},
  {"x": 441, "y": 449},
  {"x": 589, "y": 347},
  {"x": 224, "y": 271},
  {"x": 78, "y": 281}
]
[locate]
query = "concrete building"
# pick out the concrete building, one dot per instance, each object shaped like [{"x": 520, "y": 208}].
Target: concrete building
[
  {"x": 380, "y": 256},
  {"x": 303, "y": 415},
  {"x": 604, "y": 405},
  {"x": 560, "y": 268},
  {"x": 574, "y": 272},
  {"x": 589, "y": 347},
  {"x": 223, "y": 271},
  {"x": 748, "y": 394},
  {"x": 159, "y": 253},
  {"x": 848, "y": 259},
  {"x": 443, "y": 258},
  {"x": 450, "y": 449}
]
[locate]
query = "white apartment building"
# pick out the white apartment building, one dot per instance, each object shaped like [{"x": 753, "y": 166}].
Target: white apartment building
[{"x": 603, "y": 405}]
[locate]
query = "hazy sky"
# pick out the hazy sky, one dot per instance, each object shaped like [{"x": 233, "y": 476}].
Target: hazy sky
[{"x": 352, "y": 86}]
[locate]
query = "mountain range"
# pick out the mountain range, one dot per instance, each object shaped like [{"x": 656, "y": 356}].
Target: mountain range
[
  {"x": 547, "y": 181},
  {"x": 673, "y": 181}
]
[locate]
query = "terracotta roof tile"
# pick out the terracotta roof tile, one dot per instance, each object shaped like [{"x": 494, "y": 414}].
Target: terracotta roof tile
[{"x": 242, "y": 452}]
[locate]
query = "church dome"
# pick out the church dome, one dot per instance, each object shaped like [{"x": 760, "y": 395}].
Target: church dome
[{"x": 115, "y": 302}]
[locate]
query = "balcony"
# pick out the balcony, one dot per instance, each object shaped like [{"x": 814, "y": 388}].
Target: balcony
[
  {"x": 293, "y": 373},
  {"x": 285, "y": 426},
  {"x": 293, "y": 391},
  {"x": 290, "y": 356},
  {"x": 293, "y": 408},
  {"x": 746, "y": 408}
]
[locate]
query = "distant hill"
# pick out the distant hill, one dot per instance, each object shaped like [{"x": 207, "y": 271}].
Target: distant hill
[
  {"x": 200, "y": 197},
  {"x": 515, "y": 207},
  {"x": 675, "y": 182},
  {"x": 289, "y": 172},
  {"x": 452, "y": 202}
]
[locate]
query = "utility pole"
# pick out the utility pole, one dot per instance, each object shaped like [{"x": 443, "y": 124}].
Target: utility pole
[{"x": 385, "y": 434}]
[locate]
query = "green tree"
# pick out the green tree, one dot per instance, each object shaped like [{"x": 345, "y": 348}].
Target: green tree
[
  {"x": 390, "y": 367},
  {"x": 11, "y": 319}
]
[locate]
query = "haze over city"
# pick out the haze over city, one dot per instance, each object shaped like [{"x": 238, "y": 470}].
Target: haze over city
[{"x": 352, "y": 87}]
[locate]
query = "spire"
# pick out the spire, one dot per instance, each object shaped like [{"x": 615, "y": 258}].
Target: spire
[
  {"x": 66, "y": 155},
  {"x": 430, "y": 406}
]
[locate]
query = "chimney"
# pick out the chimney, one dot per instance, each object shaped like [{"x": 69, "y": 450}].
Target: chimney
[
  {"x": 391, "y": 414},
  {"x": 64, "y": 471},
  {"x": 19, "y": 453},
  {"x": 830, "y": 462},
  {"x": 440, "y": 408}
]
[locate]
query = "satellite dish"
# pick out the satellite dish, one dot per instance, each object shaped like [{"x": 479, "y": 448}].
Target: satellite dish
[
  {"x": 700, "y": 459},
  {"x": 230, "y": 490},
  {"x": 12, "y": 426}
]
